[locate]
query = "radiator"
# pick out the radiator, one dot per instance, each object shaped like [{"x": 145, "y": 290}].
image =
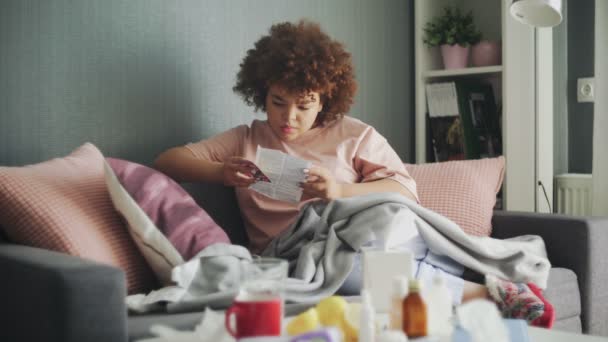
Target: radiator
[{"x": 573, "y": 194}]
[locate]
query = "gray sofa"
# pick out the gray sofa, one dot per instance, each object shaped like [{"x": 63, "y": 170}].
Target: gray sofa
[{"x": 47, "y": 296}]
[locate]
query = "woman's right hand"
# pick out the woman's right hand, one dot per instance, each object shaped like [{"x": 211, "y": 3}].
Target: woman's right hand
[{"x": 237, "y": 172}]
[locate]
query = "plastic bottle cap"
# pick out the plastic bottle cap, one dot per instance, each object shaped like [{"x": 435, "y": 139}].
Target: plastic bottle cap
[{"x": 414, "y": 285}]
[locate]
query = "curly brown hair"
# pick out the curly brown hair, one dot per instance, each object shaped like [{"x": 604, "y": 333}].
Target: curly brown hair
[{"x": 302, "y": 58}]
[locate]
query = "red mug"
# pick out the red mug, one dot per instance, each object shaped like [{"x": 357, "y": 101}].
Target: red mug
[{"x": 255, "y": 317}]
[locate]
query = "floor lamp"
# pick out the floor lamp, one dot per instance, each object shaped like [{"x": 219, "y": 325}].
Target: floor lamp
[
  {"x": 542, "y": 14},
  {"x": 537, "y": 13}
]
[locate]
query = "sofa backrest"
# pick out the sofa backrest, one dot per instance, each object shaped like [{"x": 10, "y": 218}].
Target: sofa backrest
[
  {"x": 3, "y": 238},
  {"x": 220, "y": 203}
]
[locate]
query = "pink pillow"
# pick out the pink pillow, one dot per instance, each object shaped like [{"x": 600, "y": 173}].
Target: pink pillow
[
  {"x": 463, "y": 191},
  {"x": 63, "y": 205},
  {"x": 188, "y": 227}
]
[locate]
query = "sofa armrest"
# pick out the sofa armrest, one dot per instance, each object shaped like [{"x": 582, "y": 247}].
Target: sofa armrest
[
  {"x": 49, "y": 296},
  {"x": 576, "y": 243}
]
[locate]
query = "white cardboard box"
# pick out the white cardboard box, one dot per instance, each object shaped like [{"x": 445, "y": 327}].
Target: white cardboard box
[{"x": 379, "y": 269}]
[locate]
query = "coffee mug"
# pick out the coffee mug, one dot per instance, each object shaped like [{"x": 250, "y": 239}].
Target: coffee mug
[
  {"x": 257, "y": 317},
  {"x": 258, "y": 308}
]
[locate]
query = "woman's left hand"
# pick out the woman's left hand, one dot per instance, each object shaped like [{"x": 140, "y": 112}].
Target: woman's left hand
[{"x": 321, "y": 183}]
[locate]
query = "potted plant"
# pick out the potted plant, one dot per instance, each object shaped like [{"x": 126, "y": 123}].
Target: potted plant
[
  {"x": 454, "y": 32},
  {"x": 485, "y": 53}
]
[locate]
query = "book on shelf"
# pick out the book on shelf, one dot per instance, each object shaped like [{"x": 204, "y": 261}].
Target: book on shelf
[
  {"x": 447, "y": 139},
  {"x": 464, "y": 120}
]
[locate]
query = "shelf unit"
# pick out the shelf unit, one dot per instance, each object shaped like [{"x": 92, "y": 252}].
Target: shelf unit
[{"x": 514, "y": 84}]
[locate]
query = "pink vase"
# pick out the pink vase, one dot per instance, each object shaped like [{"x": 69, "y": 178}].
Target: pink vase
[
  {"x": 455, "y": 56},
  {"x": 486, "y": 53}
]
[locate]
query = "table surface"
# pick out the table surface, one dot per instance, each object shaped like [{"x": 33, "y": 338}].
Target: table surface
[
  {"x": 537, "y": 334},
  {"x": 544, "y": 335}
]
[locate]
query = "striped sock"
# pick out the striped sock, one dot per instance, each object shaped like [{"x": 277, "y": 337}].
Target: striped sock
[
  {"x": 547, "y": 319},
  {"x": 515, "y": 300}
]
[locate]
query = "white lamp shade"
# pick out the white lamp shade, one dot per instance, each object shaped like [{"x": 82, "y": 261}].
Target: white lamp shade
[{"x": 539, "y": 13}]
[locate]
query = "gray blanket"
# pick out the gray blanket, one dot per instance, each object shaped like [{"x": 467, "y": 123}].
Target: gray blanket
[{"x": 321, "y": 246}]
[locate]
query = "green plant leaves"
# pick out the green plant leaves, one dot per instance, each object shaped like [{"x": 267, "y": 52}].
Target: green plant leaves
[{"x": 452, "y": 27}]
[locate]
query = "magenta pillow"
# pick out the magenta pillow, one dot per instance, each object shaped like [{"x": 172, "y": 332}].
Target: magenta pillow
[
  {"x": 463, "y": 191},
  {"x": 174, "y": 212}
]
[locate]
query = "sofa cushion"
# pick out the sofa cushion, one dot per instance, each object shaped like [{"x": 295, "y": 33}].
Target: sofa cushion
[
  {"x": 165, "y": 222},
  {"x": 563, "y": 293},
  {"x": 158, "y": 251},
  {"x": 572, "y": 324},
  {"x": 463, "y": 191},
  {"x": 63, "y": 205}
]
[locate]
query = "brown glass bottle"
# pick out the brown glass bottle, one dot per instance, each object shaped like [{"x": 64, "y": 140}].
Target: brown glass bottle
[{"x": 414, "y": 312}]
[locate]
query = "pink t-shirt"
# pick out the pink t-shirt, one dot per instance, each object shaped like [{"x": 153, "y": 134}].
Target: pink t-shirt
[{"x": 354, "y": 151}]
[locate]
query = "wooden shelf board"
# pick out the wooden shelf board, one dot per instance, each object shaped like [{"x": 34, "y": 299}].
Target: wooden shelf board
[{"x": 494, "y": 69}]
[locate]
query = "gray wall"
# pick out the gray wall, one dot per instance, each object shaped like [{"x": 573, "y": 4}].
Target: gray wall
[
  {"x": 580, "y": 17},
  {"x": 136, "y": 77},
  {"x": 560, "y": 95}
]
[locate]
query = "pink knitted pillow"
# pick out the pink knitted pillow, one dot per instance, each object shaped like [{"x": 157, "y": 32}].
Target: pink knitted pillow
[
  {"x": 63, "y": 205},
  {"x": 188, "y": 227},
  {"x": 463, "y": 191}
]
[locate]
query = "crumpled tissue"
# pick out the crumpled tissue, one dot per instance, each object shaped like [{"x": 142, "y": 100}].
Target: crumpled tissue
[{"x": 211, "y": 328}]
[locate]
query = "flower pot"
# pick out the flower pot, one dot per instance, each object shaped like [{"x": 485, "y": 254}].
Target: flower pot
[
  {"x": 486, "y": 53},
  {"x": 455, "y": 56}
]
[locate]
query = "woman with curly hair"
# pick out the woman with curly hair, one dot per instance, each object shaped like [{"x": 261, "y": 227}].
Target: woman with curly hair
[{"x": 304, "y": 81}]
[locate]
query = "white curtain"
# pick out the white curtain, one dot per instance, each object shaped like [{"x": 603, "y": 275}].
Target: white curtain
[{"x": 600, "y": 119}]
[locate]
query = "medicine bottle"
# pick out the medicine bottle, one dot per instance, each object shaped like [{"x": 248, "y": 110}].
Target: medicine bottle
[
  {"x": 367, "y": 324},
  {"x": 397, "y": 297},
  {"x": 439, "y": 308},
  {"x": 414, "y": 312}
]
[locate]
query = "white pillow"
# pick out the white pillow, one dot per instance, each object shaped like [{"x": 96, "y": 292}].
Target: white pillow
[{"x": 158, "y": 251}]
